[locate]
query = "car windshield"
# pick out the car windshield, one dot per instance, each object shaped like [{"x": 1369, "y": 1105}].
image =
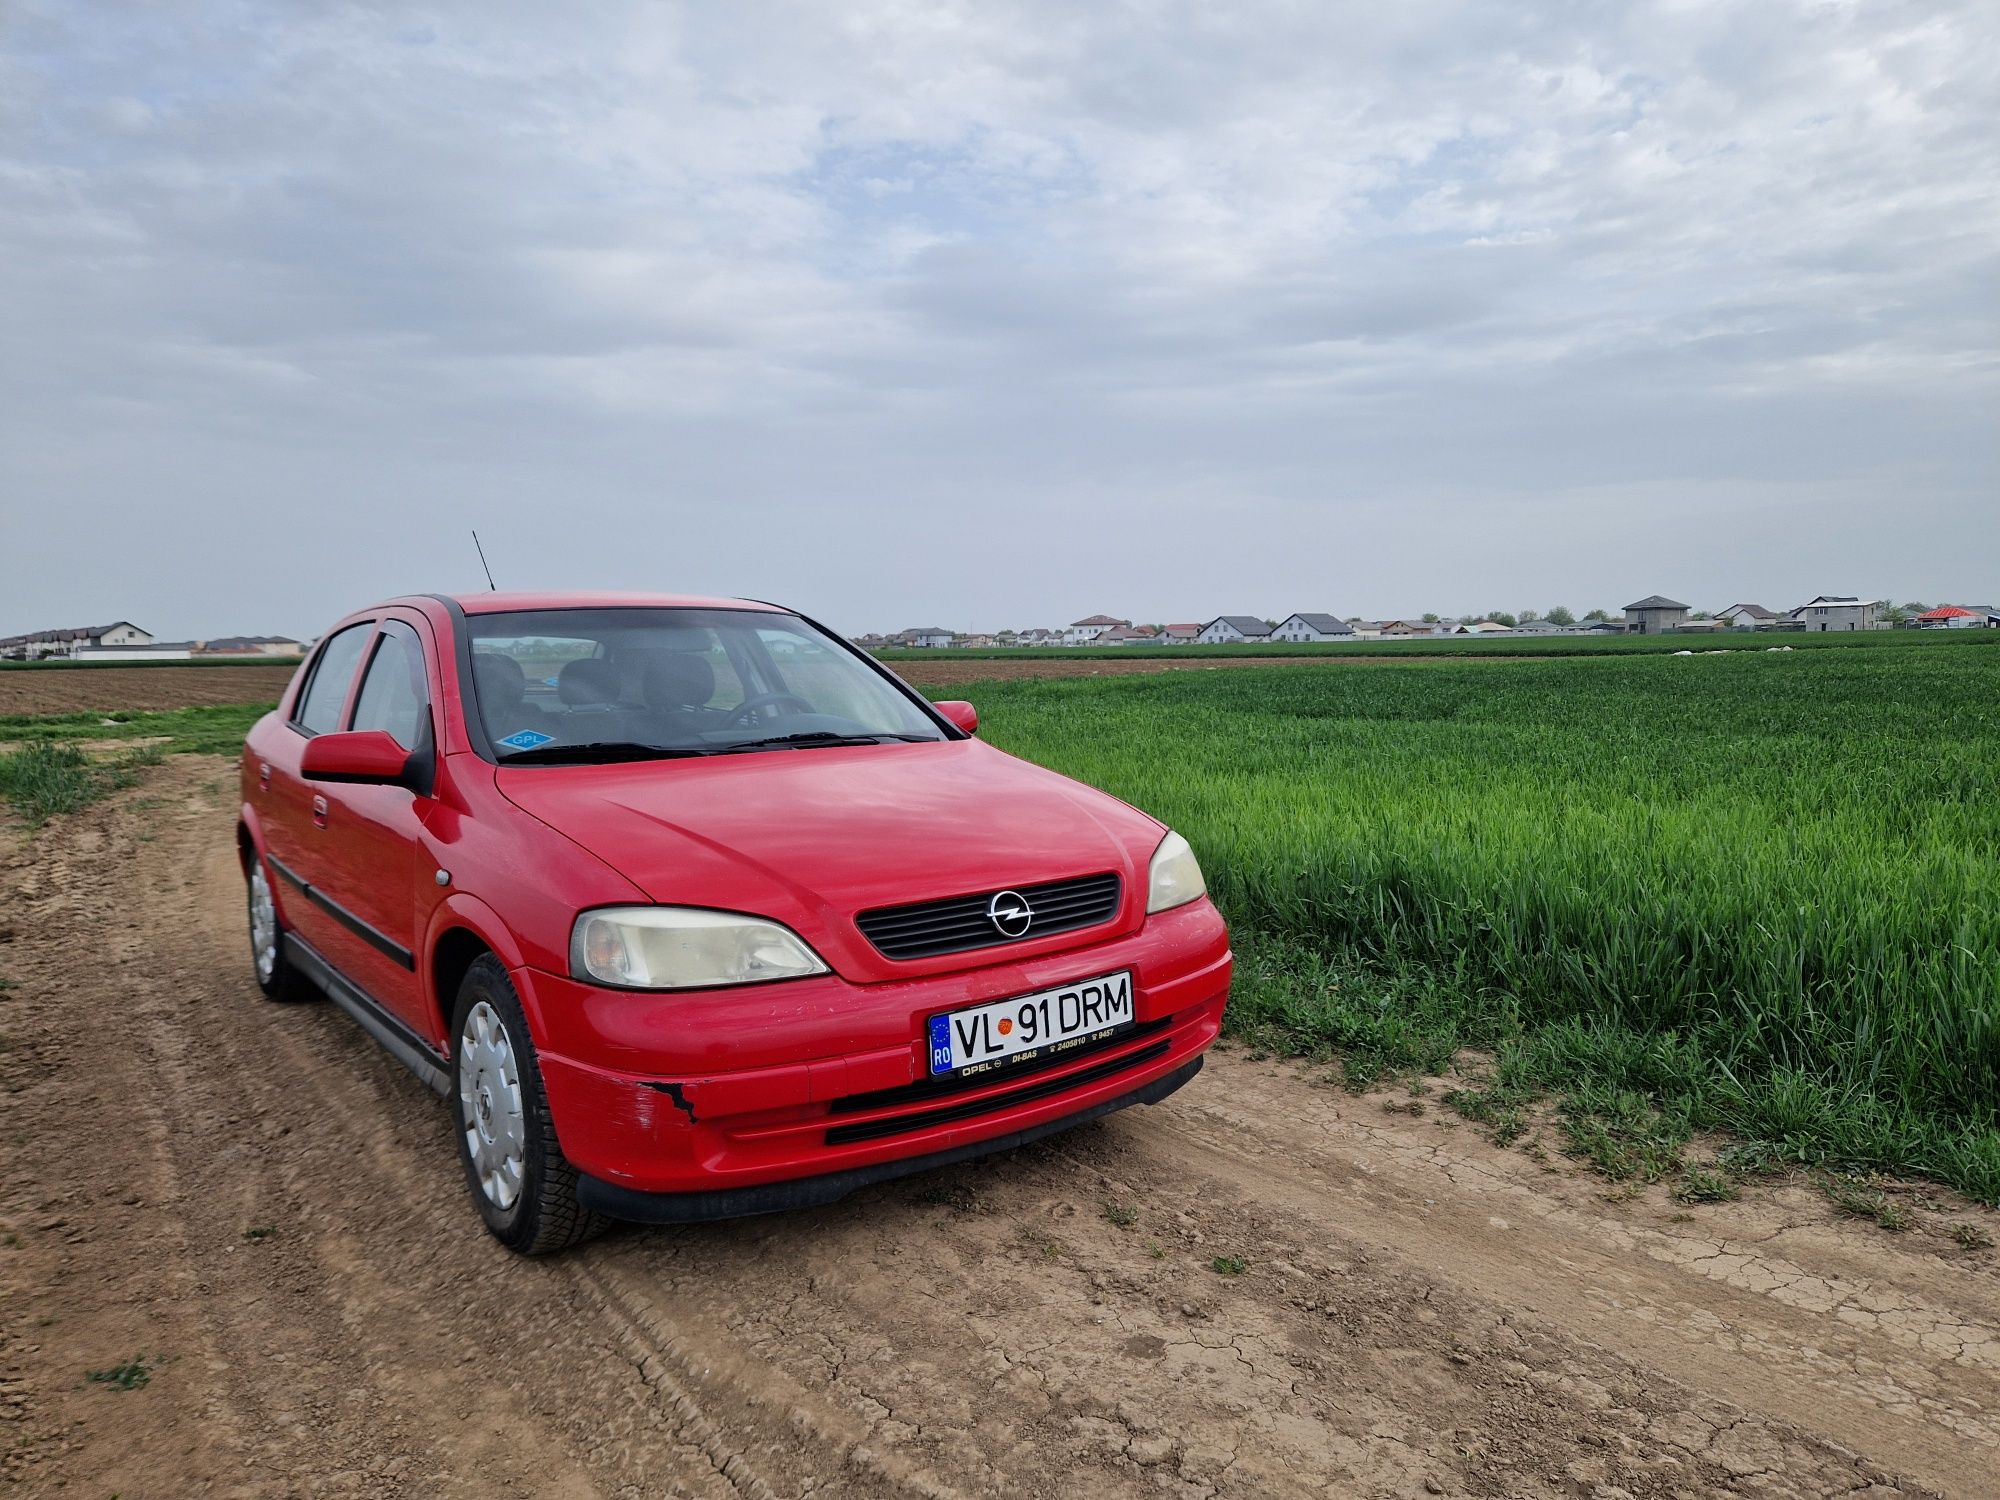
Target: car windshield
[{"x": 580, "y": 685}]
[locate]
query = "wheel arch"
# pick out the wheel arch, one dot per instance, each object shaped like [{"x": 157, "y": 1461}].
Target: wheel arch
[
  {"x": 462, "y": 930},
  {"x": 249, "y": 835},
  {"x": 250, "y": 846}
]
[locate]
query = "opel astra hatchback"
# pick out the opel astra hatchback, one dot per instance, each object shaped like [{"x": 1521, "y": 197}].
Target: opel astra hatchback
[{"x": 691, "y": 910}]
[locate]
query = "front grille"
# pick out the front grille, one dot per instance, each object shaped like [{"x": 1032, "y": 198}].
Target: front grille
[
  {"x": 971, "y": 1109},
  {"x": 960, "y": 923}
]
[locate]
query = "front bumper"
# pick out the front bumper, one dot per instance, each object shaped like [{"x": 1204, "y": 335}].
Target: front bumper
[
  {"x": 829, "y": 1086},
  {"x": 827, "y": 1187}
]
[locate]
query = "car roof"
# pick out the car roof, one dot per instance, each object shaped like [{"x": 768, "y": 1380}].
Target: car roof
[{"x": 497, "y": 602}]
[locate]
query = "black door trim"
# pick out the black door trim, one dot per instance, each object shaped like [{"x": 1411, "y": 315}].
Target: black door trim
[{"x": 374, "y": 937}]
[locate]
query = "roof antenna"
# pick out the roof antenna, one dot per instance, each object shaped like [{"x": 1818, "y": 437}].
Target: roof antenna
[{"x": 482, "y": 563}]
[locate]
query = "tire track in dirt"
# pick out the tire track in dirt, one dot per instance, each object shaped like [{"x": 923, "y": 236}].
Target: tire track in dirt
[
  {"x": 990, "y": 1329},
  {"x": 678, "y": 1349},
  {"x": 617, "y": 1340},
  {"x": 1862, "y": 1291},
  {"x": 1796, "y": 1366},
  {"x": 44, "y": 899}
]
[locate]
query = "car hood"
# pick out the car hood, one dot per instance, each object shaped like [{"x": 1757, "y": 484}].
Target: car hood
[{"x": 811, "y": 837}]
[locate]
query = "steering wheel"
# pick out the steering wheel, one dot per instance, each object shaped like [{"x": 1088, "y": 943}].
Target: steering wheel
[{"x": 750, "y": 706}]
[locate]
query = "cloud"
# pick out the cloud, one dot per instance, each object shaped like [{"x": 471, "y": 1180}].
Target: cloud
[{"x": 995, "y": 312}]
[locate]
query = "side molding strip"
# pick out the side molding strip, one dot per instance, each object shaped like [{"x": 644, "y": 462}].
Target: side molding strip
[
  {"x": 374, "y": 937},
  {"x": 395, "y": 1038}
]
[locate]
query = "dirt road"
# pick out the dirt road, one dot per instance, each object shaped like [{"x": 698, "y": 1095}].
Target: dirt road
[{"x": 266, "y": 1209}]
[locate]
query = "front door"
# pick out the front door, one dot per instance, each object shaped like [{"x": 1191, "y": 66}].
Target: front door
[
  {"x": 374, "y": 853},
  {"x": 293, "y": 811}
]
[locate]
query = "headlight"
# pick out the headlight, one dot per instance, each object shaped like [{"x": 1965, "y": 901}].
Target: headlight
[
  {"x": 1175, "y": 877},
  {"x": 684, "y": 948}
]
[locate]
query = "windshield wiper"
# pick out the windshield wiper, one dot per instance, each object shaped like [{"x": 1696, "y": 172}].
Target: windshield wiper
[
  {"x": 597, "y": 752},
  {"x": 813, "y": 739},
  {"x": 604, "y": 752}
]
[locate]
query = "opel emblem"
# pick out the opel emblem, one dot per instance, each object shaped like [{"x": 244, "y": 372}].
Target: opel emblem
[{"x": 1009, "y": 911}]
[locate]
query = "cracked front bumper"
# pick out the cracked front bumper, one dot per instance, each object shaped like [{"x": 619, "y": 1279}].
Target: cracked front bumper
[{"x": 827, "y": 1187}]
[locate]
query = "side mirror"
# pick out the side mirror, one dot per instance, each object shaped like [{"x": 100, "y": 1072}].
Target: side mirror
[
  {"x": 961, "y": 713},
  {"x": 367, "y": 757}
]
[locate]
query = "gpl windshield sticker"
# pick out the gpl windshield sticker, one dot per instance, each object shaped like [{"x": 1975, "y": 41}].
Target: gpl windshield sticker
[{"x": 525, "y": 739}]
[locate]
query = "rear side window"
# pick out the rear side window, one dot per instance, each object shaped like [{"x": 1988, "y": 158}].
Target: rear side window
[
  {"x": 395, "y": 697},
  {"x": 319, "y": 709}
]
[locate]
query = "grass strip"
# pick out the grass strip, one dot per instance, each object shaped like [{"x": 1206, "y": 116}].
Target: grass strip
[{"x": 48, "y": 770}]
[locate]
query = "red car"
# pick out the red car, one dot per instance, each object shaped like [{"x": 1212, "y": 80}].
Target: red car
[{"x": 693, "y": 910}]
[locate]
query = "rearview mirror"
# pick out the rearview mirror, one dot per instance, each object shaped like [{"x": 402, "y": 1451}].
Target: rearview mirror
[
  {"x": 366, "y": 757},
  {"x": 961, "y": 713}
]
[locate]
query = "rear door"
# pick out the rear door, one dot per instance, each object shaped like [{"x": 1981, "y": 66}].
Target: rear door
[{"x": 374, "y": 871}]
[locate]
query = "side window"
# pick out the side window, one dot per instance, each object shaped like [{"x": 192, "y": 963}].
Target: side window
[
  {"x": 326, "y": 694},
  {"x": 394, "y": 695}
]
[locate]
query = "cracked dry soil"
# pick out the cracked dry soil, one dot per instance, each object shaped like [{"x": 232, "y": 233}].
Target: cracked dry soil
[{"x": 1421, "y": 1313}]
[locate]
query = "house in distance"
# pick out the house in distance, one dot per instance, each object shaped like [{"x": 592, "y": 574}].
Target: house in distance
[
  {"x": 1313, "y": 627},
  {"x": 1840, "y": 612},
  {"x": 1224, "y": 629},
  {"x": 1746, "y": 617},
  {"x": 121, "y": 640},
  {"x": 1090, "y": 627},
  {"x": 1957, "y": 617},
  {"x": 1655, "y": 615}
]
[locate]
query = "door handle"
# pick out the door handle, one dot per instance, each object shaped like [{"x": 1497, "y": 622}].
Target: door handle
[{"x": 319, "y": 812}]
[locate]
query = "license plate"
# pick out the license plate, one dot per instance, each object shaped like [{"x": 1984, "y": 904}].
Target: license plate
[{"x": 1028, "y": 1026}]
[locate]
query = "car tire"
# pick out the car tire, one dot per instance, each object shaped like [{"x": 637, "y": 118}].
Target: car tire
[
  {"x": 272, "y": 969},
  {"x": 521, "y": 1183}
]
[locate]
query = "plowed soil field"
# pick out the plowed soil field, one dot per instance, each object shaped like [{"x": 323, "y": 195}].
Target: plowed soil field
[
  {"x": 952, "y": 668},
  {"x": 66, "y": 690},
  {"x": 111, "y": 688}
]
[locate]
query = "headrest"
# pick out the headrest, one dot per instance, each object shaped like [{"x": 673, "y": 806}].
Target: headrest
[
  {"x": 499, "y": 682},
  {"x": 679, "y": 679},
  {"x": 588, "y": 682}
]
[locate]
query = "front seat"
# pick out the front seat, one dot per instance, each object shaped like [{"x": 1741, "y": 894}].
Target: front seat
[
  {"x": 679, "y": 680},
  {"x": 588, "y": 683},
  {"x": 502, "y": 688},
  {"x": 677, "y": 687}
]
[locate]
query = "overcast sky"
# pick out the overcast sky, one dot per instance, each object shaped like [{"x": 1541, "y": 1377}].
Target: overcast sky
[{"x": 993, "y": 313}]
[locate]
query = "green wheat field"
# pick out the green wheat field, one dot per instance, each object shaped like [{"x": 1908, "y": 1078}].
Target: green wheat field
[{"x": 1758, "y": 891}]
